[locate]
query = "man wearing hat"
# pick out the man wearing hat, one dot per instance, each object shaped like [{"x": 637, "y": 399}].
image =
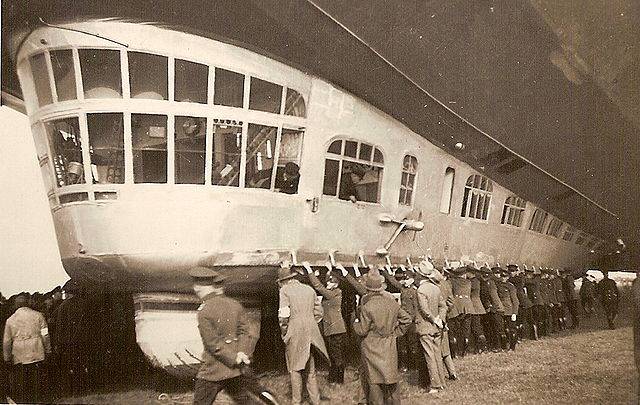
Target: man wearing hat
[
  {"x": 493, "y": 319},
  {"x": 609, "y": 297},
  {"x": 333, "y": 325},
  {"x": 571, "y": 297},
  {"x": 588, "y": 294},
  {"x": 524, "y": 318},
  {"x": 225, "y": 331},
  {"x": 477, "y": 331},
  {"x": 561, "y": 299},
  {"x": 287, "y": 179},
  {"x": 509, "y": 299},
  {"x": 460, "y": 321},
  {"x": 299, "y": 313},
  {"x": 532, "y": 284},
  {"x": 430, "y": 323},
  {"x": 379, "y": 321}
]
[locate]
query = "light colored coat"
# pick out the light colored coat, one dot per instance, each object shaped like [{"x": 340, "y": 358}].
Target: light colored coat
[
  {"x": 299, "y": 313},
  {"x": 431, "y": 304},
  {"x": 26, "y": 337},
  {"x": 381, "y": 320}
]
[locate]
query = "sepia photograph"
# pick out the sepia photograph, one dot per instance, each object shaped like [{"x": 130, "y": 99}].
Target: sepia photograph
[{"x": 320, "y": 202}]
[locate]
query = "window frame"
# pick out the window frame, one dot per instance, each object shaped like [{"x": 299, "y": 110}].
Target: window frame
[
  {"x": 513, "y": 207},
  {"x": 535, "y": 220},
  {"x": 341, "y": 158},
  {"x": 410, "y": 203},
  {"x": 557, "y": 224},
  {"x": 469, "y": 191}
]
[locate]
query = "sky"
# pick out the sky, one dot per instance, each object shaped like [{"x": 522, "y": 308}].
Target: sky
[{"x": 29, "y": 256}]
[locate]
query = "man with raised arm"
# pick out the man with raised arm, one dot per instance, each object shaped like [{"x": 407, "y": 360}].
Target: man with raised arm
[{"x": 333, "y": 326}]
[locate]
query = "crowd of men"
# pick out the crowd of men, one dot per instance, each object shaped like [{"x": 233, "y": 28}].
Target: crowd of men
[
  {"x": 405, "y": 318},
  {"x": 61, "y": 343}
]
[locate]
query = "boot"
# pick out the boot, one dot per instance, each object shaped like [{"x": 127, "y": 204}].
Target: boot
[
  {"x": 504, "y": 343},
  {"x": 453, "y": 347},
  {"x": 513, "y": 341},
  {"x": 481, "y": 344},
  {"x": 463, "y": 347}
]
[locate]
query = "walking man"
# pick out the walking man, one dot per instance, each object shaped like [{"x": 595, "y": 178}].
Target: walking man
[
  {"x": 225, "y": 332},
  {"x": 299, "y": 313},
  {"x": 380, "y": 321}
]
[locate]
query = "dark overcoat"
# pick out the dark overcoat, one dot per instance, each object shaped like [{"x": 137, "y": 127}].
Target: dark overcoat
[
  {"x": 461, "y": 288},
  {"x": 380, "y": 322},
  {"x": 505, "y": 297},
  {"x": 478, "y": 308},
  {"x": 332, "y": 320}
]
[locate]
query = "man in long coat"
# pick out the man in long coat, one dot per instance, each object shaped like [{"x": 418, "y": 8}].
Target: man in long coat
[
  {"x": 477, "y": 330},
  {"x": 493, "y": 319},
  {"x": 609, "y": 297},
  {"x": 430, "y": 324},
  {"x": 226, "y": 336},
  {"x": 299, "y": 313},
  {"x": 571, "y": 297},
  {"x": 460, "y": 314},
  {"x": 380, "y": 321},
  {"x": 533, "y": 286}
]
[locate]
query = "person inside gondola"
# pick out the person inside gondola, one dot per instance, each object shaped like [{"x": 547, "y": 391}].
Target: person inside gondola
[
  {"x": 352, "y": 174},
  {"x": 287, "y": 178}
]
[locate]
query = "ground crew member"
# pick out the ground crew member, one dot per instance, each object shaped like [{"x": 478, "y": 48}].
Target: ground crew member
[
  {"x": 299, "y": 313},
  {"x": 333, "y": 325},
  {"x": 588, "y": 294},
  {"x": 430, "y": 324},
  {"x": 462, "y": 307},
  {"x": 609, "y": 297},
  {"x": 477, "y": 330},
  {"x": 379, "y": 321},
  {"x": 493, "y": 321},
  {"x": 447, "y": 293},
  {"x": 509, "y": 299},
  {"x": 524, "y": 318},
  {"x": 226, "y": 336},
  {"x": 26, "y": 345},
  {"x": 560, "y": 297},
  {"x": 571, "y": 297},
  {"x": 532, "y": 284}
]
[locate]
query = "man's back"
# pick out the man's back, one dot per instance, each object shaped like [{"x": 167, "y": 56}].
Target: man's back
[{"x": 23, "y": 341}]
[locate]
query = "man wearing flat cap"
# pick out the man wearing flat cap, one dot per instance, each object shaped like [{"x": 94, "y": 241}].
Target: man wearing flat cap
[
  {"x": 532, "y": 284},
  {"x": 225, "y": 331},
  {"x": 298, "y": 314},
  {"x": 493, "y": 319}
]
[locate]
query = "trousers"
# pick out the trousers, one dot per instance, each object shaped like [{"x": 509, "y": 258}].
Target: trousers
[
  {"x": 205, "y": 392},
  {"x": 433, "y": 356},
  {"x": 384, "y": 394},
  {"x": 312, "y": 383}
]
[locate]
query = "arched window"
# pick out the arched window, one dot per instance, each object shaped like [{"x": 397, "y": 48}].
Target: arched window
[
  {"x": 477, "y": 197},
  {"x": 554, "y": 227},
  {"x": 569, "y": 232},
  {"x": 513, "y": 211},
  {"x": 353, "y": 171},
  {"x": 538, "y": 220},
  {"x": 447, "y": 190},
  {"x": 409, "y": 170}
]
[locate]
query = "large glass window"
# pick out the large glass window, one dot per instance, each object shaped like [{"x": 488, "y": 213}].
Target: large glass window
[
  {"x": 294, "y": 104},
  {"x": 261, "y": 142},
  {"x": 229, "y": 88},
  {"x": 41, "y": 79},
  {"x": 407, "y": 183},
  {"x": 352, "y": 171},
  {"x": 106, "y": 142},
  {"x": 513, "y": 211},
  {"x": 101, "y": 75},
  {"x": 288, "y": 172},
  {"x": 190, "y": 149},
  {"x": 554, "y": 227},
  {"x": 191, "y": 81},
  {"x": 149, "y": 142},
  {"x": 64, "y": 74},
  {"x": 538, "y": 220},
  {"x": 477, "y": 197},
  {"x": 66, "y": 147},
  {"x": 148, "y": 76},
  {"x": 227, "y": 151},
  {"x": 265, "y": 96}
]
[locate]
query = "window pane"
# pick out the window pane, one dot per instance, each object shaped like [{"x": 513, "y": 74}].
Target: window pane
[
  {"x": 227, "y": 148},
  {"x": 41, "y": 79},
  {"x": 64, "y": 74},
  {"x": 294, "y": 104},
  {"x": 149, "y": 139},
  {"x": 331, "y": 169},
  {"x": 410, "y": 180},
  {"x": 408, "y": 199},
  {"x": 367, "y": 188},
  {"x": 148, "y": 76},
  {"x": 106, "y": 141},
  {"x": 403, "y": 180},
  {"x": 465, "y": 200},
  {"x": 101, "y": 76},
  {"x": 64, "y": 137},
  {"x": 288, "y": 172},
  {"x": 265, "y": 96},
  {"x": 261, "y": 142},
  {"x": 335, "y": 147},
  {"x": 377, "y": 156},
  {"x": 190, "y": 149},
  {"x": 365, "y": 152},
  {"x": 350, "y": 148},
  {"x": 191, "y": 80},
  {"x": 487, "y": 202},
  {"x": 229, "y": 88},
  {"x": 504, "y": 215},
  {"x": 359, "y": 180},
  {"x": 403, "y": 194}
]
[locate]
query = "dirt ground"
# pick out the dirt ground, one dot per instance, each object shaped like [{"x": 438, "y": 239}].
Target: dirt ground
[{"x": 592, "y": 365}]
